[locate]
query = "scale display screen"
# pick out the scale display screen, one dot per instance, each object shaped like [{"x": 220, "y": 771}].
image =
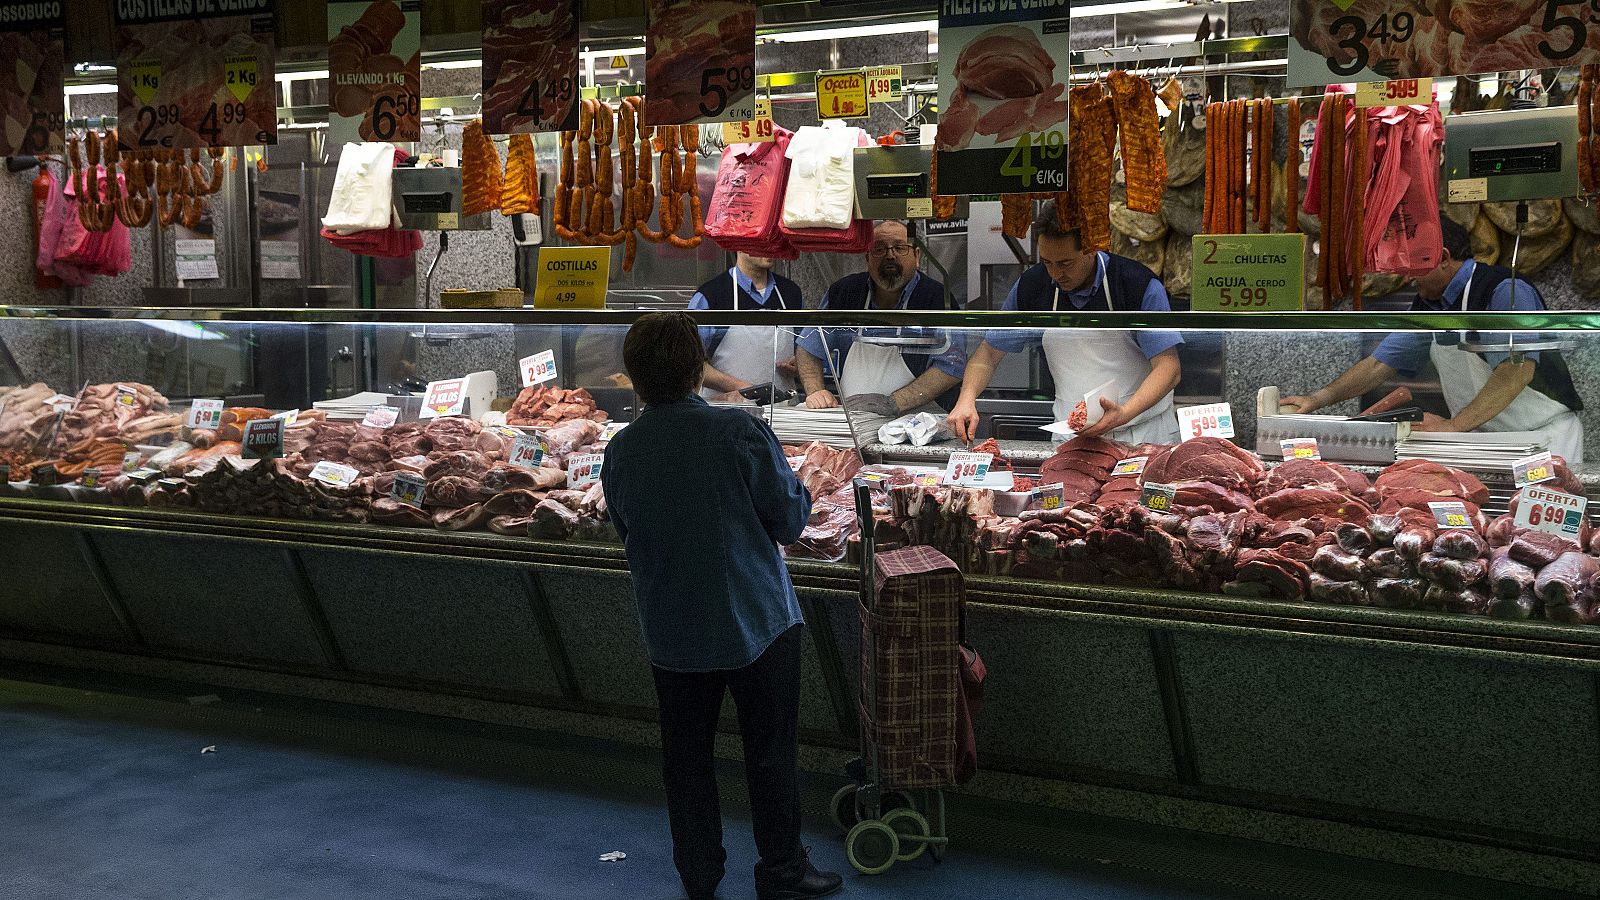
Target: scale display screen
[
  {"x": 899, "y": 186},
  {"x": 1527, "y": 159}
]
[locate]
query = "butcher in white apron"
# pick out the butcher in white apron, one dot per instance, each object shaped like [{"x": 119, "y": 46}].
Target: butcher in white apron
[
  {"x": 744, "y": 355},
  {"x": 1141, "y": 366},
  {"x": 886, "y": 371},
  {"x": 1489, "y": 391}
]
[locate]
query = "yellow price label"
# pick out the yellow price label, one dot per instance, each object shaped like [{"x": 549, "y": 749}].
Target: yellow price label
[
  {"x": 239, "y": 74},
  {"x": 1455, "y": 520},
  {"x": 1159, "y": 502},
  {"x": 883, "y": 84},
  {"x": 1539, "y": 474},
  {"x": 841, "y": 95},
  {"x": 145, "y": 76},
  {"x": 572, "y": 278},
  {"x": 1401, "y": 92},
  {"x": 753, "y": 131},
  {"x": 1303, "y": 453}
]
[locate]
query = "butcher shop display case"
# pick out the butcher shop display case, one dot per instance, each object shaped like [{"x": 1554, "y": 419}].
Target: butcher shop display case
[{"x": 466, "y": 422}]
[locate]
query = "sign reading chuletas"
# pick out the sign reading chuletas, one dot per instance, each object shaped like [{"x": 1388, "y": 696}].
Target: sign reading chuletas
[
  {"x": 1375, "y": 40},
  {"x": 207, "y": 82},
  {"x": 374, "y": 70},
  {"x": 32, "y": 41},
  {"x": 1249, "y": 272},
  {"x": 1003, "y": 97},
  {"x": 530, "y": 65}
]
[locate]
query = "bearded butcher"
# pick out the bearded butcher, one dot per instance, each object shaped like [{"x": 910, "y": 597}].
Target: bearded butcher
[
  {"x": 885, "y": 379},
  {"x": 1141, "y": 366},
  {"x": 749, "y": 355},
  {"x": 1488, "y": 391}
]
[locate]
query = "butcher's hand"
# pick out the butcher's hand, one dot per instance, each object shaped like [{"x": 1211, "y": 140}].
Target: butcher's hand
[
  {"x": 1112, "y": 417},
  {"x": 873, "y": 404},
  {"x": 1431, "y": 422},
  {"x": 821, "y": 400},
  {"x": 1300, "y": 404},
  {"x": 964, "y": 421},
  {"x": 788, "y": 367}
]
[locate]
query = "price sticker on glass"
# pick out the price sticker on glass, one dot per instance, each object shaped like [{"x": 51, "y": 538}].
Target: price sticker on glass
[
  {"x": 538, "y": 368},
  {"x": 1249, "y": 272},
  {"x": 1300, "y": 448},
  {"x": 584, "y": 469},
  {"x": 1205, "y": 420},
  {"x": 967, "y": 468},
  {"x": 205, "y": 414},
  {"x": 1533, "y": 469},
  {"x": 1450, "y": 514},
  {"x": 1556, "y": 512}
]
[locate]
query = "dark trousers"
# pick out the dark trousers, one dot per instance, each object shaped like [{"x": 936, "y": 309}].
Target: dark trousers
[{"x": 767, "y": 695}]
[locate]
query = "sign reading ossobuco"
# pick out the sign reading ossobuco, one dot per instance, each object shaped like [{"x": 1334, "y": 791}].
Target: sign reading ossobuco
[
  {"x": 1003, "y": 96},
  {"x": 207, "y": 84},
  {"x": 1375, "y": 40},
  {"x": 1245, "y": 272}
]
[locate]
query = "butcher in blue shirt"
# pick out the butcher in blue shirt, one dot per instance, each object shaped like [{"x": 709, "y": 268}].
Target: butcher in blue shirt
[
  {"x": 1487, "y": 391},
  {"x": 702, "y": 498},
  {"x": 1138, "y": 369}
]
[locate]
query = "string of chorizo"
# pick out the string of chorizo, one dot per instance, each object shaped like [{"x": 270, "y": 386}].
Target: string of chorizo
[{"x": 1291, "y": 171}]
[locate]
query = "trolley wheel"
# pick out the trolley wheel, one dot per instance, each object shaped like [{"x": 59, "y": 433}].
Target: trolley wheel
[
  {"x": 893, "y": 800},
  {"x": 872, "y": 847},
  {"x": 843, "y": 809},
  {"x": 909, "y": 826}
]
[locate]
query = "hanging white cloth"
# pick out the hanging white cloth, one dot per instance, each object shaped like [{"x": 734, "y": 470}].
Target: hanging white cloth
[{"x": 363, "y": 189}]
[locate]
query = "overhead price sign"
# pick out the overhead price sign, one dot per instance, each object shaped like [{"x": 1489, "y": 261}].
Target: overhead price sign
[
  {"x": 33, "y": 43},
  {"x": 1248, "y": 272},
  {"x": 1003, "y": 97},
  {"x": 884, "y": 84},
  {"x": 1401, "y": 92},
  {"x": 196, "y": 73},
  {"x": 1336, "y": 41},
  {"x": 530, "y": 65},
  {"x": 374, "y": 70},
  {"x": 842, "y": 95},
  {"x": 572, "y": 278},
  {"x": 700, "y": 61}
]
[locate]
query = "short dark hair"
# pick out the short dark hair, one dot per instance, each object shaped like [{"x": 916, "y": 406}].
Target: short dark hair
[
  {"x": 1457, "y": 240},
  {"x": 1046, "y": 225},
  {"x": 910, "y": 225},
  {"x": 664, "y": 356}
]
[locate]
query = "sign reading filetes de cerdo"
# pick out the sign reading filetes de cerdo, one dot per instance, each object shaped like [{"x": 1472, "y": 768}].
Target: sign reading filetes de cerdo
[{"x": 196, "y": 73}]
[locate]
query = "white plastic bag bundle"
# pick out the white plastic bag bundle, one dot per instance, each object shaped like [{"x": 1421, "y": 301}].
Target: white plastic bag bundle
[
  {"x": 363, "y": 193},
  {"x": 822, "y": 180},
  {"x": 921, "y": 429}
]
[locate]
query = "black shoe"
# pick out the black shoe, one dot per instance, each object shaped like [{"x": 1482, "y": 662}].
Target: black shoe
[{"x": 809, "y": 885}]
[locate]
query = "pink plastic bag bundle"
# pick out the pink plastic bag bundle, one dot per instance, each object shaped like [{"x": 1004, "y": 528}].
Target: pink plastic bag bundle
[
  {"x": 748, "y": 198},
  {"x": 73, "y": 253},
  {"x": 855, "y": 239},
  {"x": 388, "y": 243}
]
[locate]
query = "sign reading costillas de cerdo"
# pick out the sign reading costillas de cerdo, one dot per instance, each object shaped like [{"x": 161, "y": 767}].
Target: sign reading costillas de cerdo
[
  {"x": 1003, "y": 96},
  {"x": 33, "y": 42},
  {"x": 374, "y": 70},
  {"x": 196, "y": 73},
  {"x": 1336, "y": 41},
  {"x": 1248, "y": 272}
]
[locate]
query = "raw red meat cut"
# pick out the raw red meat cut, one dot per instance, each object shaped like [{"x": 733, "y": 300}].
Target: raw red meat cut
[
  {"x": 1433, "y": 478},
  {"x": 1206, "y": 459},
  {"x": 1539, "y": 549},
  {"x": 1294, "y": 504},
  {"x": 1567, "y": 588},
  {"x": 1508, "y": 578},
  {"x": 1302, "y": 473},
  {"x": 1459, "y": 543}
]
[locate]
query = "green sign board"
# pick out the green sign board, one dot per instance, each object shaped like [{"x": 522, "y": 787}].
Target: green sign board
[{"x": 1249, "y": 272}]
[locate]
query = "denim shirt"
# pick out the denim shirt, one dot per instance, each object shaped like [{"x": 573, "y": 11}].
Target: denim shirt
[{"x": 702, "y": 498}]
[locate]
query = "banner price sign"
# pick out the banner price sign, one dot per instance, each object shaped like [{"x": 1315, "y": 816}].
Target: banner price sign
[
  {"x": 374, "y": 70},
  {"x": 33, "y": 42},
  {"x": 530, "y": 65},
  {"x": 700, "y": 61}
]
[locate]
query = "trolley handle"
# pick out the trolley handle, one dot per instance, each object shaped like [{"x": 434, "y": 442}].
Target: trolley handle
[{"x": 865, "y": 526}]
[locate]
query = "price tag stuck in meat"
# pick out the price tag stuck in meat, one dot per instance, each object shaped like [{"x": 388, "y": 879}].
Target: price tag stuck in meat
[
  {"x": 842, "y": 95},
  {"x": 381, "y": 417},
  {"x": 1556, "y": 512},
  {"x": 1533, "y": 469},
  {"x": 928, "y": 479},
  {"x": 1133, "y": 465},
  {"x": 409, "y": 488},
  {"x": 445, "y": 398},
  {"x": 611, "y": 429},
  {"x": 91, "y": 477},
  {"x": 263, "y": 438},
  {"x": 1450, "y": 514},
  {"x": 1300, "y": 448},
  {"x": 1401, "y": 92},
  {"x": 1158, "y": 497},
  {"x": 61, "y": 403},
  {"x": 1049, "y": 497},
  {"x": 334, "y": 474},
  {"x": 127, "y": 396},
  {"x": 529, "y": 451},
  {"x": 883, "y": 84},
  {"x": 538, "y": 368},
  {"x": 584, "y": 469},
  {"x": 1205, "y": 420},
  {"x": 205, "y": 413},
  {"x": 143, "y": 476},
  {"x": 131, "y": 460},
  {"x": 1249, "y": 272},
  {"x": 289, "y": 417},
  {"x": 967, "y": 468}
]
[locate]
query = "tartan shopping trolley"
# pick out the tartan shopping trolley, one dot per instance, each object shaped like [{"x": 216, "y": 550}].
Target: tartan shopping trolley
[{"x": 916, "y": 731}]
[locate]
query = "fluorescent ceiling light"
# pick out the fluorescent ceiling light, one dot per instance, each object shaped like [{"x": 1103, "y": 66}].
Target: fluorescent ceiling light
[
  {"x": 850, "y": 31},
  {"x": 74, "y": 90},
  {"x": 312, "y": 75},
  {"x": 1131, "y": 6},
  {"x": 454, "y": 64}
]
